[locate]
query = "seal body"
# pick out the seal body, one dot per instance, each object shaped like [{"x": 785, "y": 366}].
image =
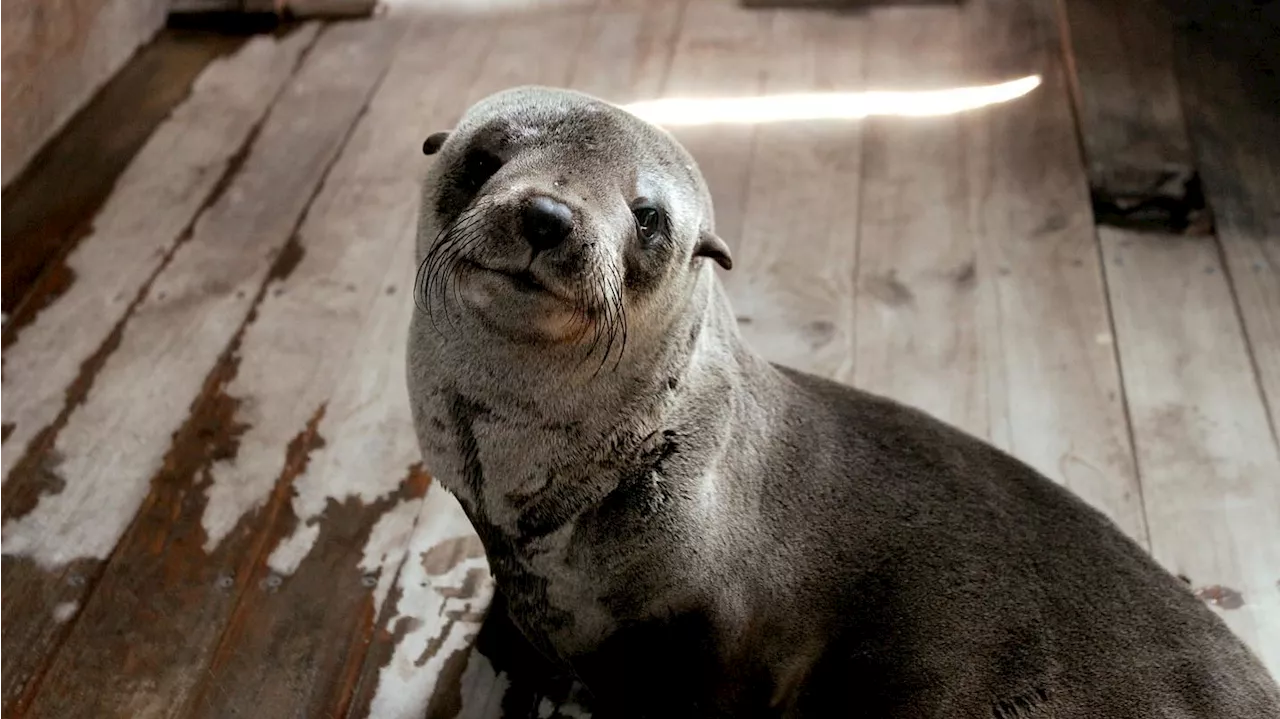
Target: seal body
[{"x": 692, "y": 531}]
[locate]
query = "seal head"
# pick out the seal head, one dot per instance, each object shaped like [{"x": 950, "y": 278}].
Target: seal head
[{"x": 553, "y": 217}]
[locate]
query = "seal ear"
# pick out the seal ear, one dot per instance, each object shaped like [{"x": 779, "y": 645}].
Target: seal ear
[
  {"x": 432, "y": 144},
  {"x": 709, "y": 245}
]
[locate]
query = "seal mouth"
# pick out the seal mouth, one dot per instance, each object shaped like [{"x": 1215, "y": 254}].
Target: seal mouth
[{"x": 522, "y": 280}]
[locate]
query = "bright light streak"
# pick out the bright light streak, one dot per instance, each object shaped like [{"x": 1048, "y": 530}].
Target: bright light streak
[{"x": 829, "y": 105}]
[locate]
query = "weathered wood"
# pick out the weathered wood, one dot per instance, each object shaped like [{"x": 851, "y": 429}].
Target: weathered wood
[
  {"x": 52, "y": 366},
  {"x": 1233, "y": 110},
  {"x": 1137, "y": 153},
  {"x": 421, "y": 663},
  {"x": 422, "y": 648},
  {"x": 980, "y": 298},
  {"x": 1210, "y": 466},
  {"x": 348, "y": 524},
  {"x": 1053, "y": 380},
  {"x": 720, "y": 52},
  {"x": 145, "y": 635},
  {"x": 56, "y": 58},
  {"x": 792, "y": 282},
  {"x": 174, "y": 176},
  {"x": 919, "y": 337},
  {"x": 51, "y": 203}
]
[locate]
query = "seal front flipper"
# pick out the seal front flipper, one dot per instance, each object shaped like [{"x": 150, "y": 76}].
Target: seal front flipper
[{"x": 532, "y": 681}]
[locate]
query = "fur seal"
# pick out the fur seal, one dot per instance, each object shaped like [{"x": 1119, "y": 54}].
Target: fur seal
[{"x": 692, "y": 531}]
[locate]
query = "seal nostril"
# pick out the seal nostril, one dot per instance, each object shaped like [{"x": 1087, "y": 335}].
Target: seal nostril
[{"x": 546, "y": 222}]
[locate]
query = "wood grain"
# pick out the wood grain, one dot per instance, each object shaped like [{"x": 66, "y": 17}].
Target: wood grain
[
  {"x": 50, "y": 205},
  {"x": 174, "y": 176},
  {"x": 1136, "y": 147},
  {"x": 980, "y": 297},
  {"x": 1210, "y": 466},
  {"x": 52, "y": 366},
  {"x": 1053, "y": 381},
  {"x": 720, "y": 52},
  {"x": 144, "y": 637},
  {"x": 792, "y": 282},
  {"x": 347, "y": 527},
  {"x": 55, "y": 59},
  {"x": 1232, "y": 97},
  {"x": 919, "y": 334}
]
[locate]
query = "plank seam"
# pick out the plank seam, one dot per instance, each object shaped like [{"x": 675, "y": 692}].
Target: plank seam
[
  {"x": 279, "y": 496},
  {"x": 1238, "y": 311},
  {"x": 1182, "y": 43},
  {"x": 1134, "y": 462},
  {"x": 77, "y": 392},
  {"x": 1073, "y": 96}
]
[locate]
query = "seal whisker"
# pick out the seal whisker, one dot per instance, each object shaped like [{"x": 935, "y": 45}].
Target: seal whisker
[
  {"x": 610, "y": 315},
  {"x": 433, "y": 272},
  {"x": 620, "y": 300},
  {"x": 595, "y": 337}
]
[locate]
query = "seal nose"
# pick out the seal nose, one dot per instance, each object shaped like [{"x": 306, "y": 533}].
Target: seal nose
[{"x": 546, "y": 222}]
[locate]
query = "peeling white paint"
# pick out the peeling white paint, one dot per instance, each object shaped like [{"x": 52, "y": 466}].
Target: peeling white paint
[
  {"x": 289, "y": 553},
  {"x": 406, "y": 683},
  {"x": 159, "y": 193},
  {"x": 65, "y": 611},
  {"x": 388, "y": 542},
  {"x": 333, "y": 333},
  {"x": 114, "y": 443}
]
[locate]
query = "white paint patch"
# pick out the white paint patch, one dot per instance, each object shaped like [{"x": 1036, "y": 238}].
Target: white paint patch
[
  {"x": 331, "y": 334},
  {"x": 65, "y": 611},
  {"x": 163, "y": 188},
  {"x": 115, "y": 442},
  {"x": 288, "y": 554},
  {"x": 388, "y": 542},
  {"x": 406, "y": 683}
]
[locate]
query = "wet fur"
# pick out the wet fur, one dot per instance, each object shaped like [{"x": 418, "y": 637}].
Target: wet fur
[{"x": 692, "y": 531}]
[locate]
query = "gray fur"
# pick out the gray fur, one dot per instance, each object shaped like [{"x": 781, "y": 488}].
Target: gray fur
[{"x": 695, "y": 532}]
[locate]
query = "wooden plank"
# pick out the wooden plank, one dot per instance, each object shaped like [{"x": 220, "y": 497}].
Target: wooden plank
[
  {"x": 1228, "y": 79},
  {"x": 422, "y": 649},
  {"x": 792, "y": 282},
  {"x": 173, "y": 177},
  {"x": 51, "y": 367},
  {"x": 346, "y": 528},
  {"x": 51, "y": 203},
  {"x": 181, "y": 165},
  {"x": 176, "y": 355},
  {"x": 1052, "y": 356},
  {"x": 919, "y": 288},
  {"x": 984, "y": 303},
  {"x": 720, "y": 52},
  {"x": 56, "y": 60},
  {"x": 628, "y": 49},
  {"x": 1210, "y": 466},
  {"x": 422, "y": 664},
  {"x": 1137, "y": 152}
]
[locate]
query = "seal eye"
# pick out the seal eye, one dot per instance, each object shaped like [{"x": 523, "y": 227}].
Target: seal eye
[
  {"x": 648, "y": 223},
  {"x": 478, "y": 167}
]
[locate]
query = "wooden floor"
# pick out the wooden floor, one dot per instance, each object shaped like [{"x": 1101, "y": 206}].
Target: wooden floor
[{"x": 212, "y": 500}]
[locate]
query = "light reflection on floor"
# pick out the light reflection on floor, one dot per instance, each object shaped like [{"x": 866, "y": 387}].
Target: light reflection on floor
[{"x": 830, "y": 105}]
